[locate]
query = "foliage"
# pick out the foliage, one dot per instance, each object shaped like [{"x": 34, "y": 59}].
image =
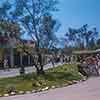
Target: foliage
[
  {"x": 98, "y": 43},
  {"x": 92, "y": 44},
  {"x": 9, "y": 29},
  {"x": 35, "y": 19},
  {"x": 82, "y": 37}
]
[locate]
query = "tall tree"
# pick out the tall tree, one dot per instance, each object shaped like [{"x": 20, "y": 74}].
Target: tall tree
[
  {"x": 82, "y": 37},
  {"x": 31, "y": 15}
]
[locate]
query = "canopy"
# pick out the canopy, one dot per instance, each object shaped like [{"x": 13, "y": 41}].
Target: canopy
[{"x": 86, "y": 52}]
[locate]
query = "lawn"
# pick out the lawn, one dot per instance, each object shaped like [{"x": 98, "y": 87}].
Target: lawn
[{"x": 53, "y": 77}]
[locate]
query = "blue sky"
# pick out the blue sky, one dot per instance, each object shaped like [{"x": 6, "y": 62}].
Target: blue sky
[{"x": 75, "y": 13}]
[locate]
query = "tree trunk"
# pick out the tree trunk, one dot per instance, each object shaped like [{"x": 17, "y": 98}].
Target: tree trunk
[
  {"x": 87, "y": 42},
  {"x": 40, "y": 72},
  {"x": 39, "y": 63}
]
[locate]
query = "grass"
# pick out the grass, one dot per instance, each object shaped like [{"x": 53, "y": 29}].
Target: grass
[{"x": 53, "y": 77}]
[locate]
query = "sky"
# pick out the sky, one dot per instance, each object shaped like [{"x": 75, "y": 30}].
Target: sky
[{"x": 75, "y": 13}]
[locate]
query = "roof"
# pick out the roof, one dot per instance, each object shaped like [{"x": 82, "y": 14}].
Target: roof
[
  {"x": 85, "y": 52},
  {"x": 98, "y": 50}
]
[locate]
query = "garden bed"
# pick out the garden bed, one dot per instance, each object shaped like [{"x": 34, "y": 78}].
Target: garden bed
[{"x": 55, "y": 77}]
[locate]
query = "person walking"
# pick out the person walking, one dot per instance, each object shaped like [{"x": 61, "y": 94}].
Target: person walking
[{"x": 6, "y": 64}]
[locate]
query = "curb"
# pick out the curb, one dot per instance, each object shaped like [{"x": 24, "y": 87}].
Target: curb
[{"x": 43, "y": 89}]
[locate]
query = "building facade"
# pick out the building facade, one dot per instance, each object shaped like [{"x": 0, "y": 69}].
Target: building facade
[{"x": 8, "y": 50}]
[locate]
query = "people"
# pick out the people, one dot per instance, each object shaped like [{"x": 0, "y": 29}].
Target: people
[
  {"x": 98, "y": 61},
  {"x": 82, "y": 68},
  {"x": 52, "y": 60},
  {"x": 89, "y": 65},
  {"x": 93, "y": 66},
  {"x": 6, "y": 64}
]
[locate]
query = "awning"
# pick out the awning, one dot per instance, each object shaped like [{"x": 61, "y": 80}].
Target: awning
[{"x": 85, "y": 52}]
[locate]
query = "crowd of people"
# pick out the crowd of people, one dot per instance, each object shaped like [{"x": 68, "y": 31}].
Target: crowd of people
[
  {"x": 61, "y": 58},
  {"x": 90, "y": 65}
]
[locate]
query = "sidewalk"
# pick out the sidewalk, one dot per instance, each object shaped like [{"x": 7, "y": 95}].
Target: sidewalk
[{"x": 15, "y": 71}]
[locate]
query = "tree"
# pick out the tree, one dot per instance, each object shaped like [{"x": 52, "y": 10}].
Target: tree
[
  {"x": 9, "y": 29},
  {"x": 74, "y": 37},
  {"x": 90, "y": 35},
  {"x": 4, "y": 7},
  {"x": 82, "y": 37},
  {"x": 8, "y": 33},
  {"x": 92, "y": 44},
  {"x": 98, "y": 43},
  {"x": 30, "y": 14}
]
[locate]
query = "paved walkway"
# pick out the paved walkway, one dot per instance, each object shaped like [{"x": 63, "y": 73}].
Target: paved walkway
[
  {"x": 15, "y": 72},
  {"x": 88, "y": 90}
]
